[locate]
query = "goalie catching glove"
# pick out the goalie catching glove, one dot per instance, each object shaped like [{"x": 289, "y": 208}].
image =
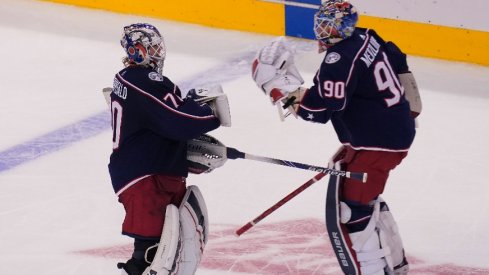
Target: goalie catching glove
[
  {"x": 216, "y": 99},
  {"x": 205, "y": 154},
  {"x": 274, "y": 71}
]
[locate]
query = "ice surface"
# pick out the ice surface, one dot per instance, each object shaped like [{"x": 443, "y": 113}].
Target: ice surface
[{"x": 58, "y": 213}]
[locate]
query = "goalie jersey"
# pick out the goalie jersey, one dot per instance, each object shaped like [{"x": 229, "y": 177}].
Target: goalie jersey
[
  {"x": 358, "y": 89},
  {"x": 151, "y": 125}
]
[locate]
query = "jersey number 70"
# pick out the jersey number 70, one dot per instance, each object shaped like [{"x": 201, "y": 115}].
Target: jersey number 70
[{"x": 116, "y": 124}]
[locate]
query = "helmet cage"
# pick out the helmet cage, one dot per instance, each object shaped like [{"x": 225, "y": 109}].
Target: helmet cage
[
  {"x": 144, "y": 45},
  {"x": 335, "y": 21}
]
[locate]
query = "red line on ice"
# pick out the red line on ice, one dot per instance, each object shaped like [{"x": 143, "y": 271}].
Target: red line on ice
[{"x": 296, "y": 247}]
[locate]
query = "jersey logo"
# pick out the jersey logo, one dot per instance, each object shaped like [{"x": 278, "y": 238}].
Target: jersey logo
[
  {"x": 155, "y": 76},
  {"x": 332, "y": 58}
]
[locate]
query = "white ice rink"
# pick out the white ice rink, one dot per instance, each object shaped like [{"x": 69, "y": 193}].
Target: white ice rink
[{"x": 59, "y": 215}]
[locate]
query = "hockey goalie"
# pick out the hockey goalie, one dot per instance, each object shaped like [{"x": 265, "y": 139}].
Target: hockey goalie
[
  {"x": 365, "y": 88},
  {"x": 152, "y": 123}
]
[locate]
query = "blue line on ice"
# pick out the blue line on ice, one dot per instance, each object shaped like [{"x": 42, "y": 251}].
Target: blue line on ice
[{"x": 54, "y": 140}]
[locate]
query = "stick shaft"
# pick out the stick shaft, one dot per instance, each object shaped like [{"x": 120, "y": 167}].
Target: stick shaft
[
  {"x": 270, "y": 210},
  {"x": 234, "y": 154}
]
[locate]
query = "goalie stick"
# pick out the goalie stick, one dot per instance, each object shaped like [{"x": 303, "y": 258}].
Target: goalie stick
[
  {"x": 233, "y": 153},
  {"x": 205, "y": 145},
  {"x": 106, "y": 92},
  {"x": 270, "y": 210},
  {"x": 338, "y": 235}
]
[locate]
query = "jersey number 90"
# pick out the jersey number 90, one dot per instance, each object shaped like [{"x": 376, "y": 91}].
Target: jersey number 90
[
  {"x": 386, "y": 80},
  {"x": 334, "y": 89}
]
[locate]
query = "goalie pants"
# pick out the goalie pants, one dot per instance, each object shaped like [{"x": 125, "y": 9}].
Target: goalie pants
[
  {"x": 377, "y": 165},
  {"x": 145, "y": 203}
]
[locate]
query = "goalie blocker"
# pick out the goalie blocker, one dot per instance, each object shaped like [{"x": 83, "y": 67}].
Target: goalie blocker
[
  {"x": 216, "y": 99},
  {"x": 184, "y": 236},
  {"x": 274, "y": 72}
]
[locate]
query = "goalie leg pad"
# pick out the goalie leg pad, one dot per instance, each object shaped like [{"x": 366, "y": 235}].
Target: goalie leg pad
[
  {"x": 364, "y": 237},
  {"x": 163, "y": 262},
  {"x": 378, "y": 246},
  {"x": 391, "y": 238},
  {"x": 194, "y": 231},
  {"x": 183, "y": 238},
  {"x": 366, "y": 243}
]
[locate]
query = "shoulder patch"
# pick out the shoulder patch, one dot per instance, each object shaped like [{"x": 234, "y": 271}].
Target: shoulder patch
[
  {"x": 332, "y": 58},
  {"x": 155, "y": 76}
]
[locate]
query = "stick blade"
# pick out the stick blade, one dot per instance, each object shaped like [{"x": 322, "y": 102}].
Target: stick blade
[
  {"x": 243, "y": 229},
  {"x": 106, "y": 92}
]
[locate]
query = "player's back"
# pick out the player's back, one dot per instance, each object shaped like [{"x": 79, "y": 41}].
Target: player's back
[
  {"x": 139, "y": 147},
  {"x": 375, "y": 113},
  {"x": 133, "y": 90}
]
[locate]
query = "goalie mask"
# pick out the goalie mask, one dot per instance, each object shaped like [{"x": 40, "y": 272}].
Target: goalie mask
[
  {"x": 335, "y": 21},
  {"x": 144, "y": 45}
]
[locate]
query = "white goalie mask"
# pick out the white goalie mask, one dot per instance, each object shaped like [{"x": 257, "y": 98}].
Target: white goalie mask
[
  {"x": 144, "y": 45},
  {"x": 334, "y": 21}
]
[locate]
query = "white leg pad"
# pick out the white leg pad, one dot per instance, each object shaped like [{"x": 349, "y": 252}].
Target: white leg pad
[
  {"x": 169, "y": 244},
  {"x": 184, "y": 236},
  {"x": 379, "y": 246},
  {"x": 194, "y": 231},
  {"x": 391, "y": 239},
  {"x": 366, "y": 244}
]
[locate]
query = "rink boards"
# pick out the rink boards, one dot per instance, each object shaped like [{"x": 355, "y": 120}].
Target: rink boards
[{"x": 459, "y": 41}]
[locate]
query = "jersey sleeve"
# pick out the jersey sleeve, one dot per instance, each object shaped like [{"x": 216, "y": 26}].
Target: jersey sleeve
[
  {"x": 155, "y": 103},
  {"x": 179, "y": 119},
  {"x": 312, "y": 108},
  {"x": 328, "y": 94},
  {"x": 397, "y": 58}
]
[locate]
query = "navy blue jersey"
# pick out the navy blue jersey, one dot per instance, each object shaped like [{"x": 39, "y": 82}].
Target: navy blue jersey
[
  {"x": 357, "y": 88},
  {"x": 151, "y": 125}
]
